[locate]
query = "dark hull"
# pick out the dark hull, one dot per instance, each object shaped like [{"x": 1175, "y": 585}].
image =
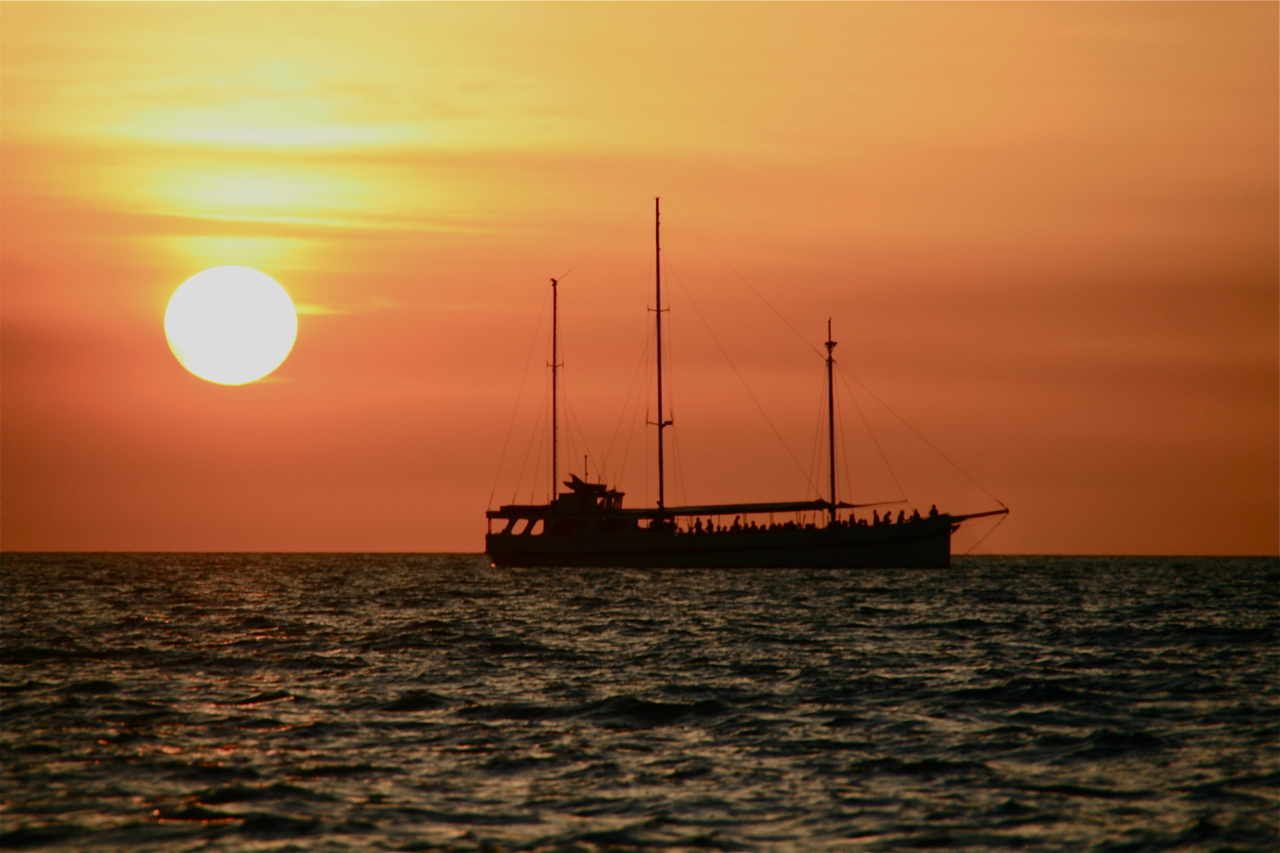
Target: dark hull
[{"x": 919, "y": 544}]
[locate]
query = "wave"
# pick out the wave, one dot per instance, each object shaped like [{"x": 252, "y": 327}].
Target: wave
[{"x": 274, "y": 702}]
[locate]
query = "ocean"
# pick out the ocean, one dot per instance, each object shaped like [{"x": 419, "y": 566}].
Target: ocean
[{"x": 272, "y": 702}]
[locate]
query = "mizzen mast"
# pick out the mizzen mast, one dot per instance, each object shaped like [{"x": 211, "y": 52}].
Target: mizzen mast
[{"x": 831, "y": 420}]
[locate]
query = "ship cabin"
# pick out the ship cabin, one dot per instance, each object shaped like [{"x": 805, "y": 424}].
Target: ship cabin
[
  {"x": 585, "y": 508},
  {"x": 586, "y": 496}
]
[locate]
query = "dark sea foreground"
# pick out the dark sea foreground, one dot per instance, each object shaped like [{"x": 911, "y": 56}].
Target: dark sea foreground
[{"x": 389, "y": 702}]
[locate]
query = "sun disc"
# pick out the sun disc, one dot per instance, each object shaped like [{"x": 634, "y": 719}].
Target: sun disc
[{"x": 230, "y": 325}]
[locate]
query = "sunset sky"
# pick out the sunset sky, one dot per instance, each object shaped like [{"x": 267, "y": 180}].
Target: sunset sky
[{"x": 1046, "y": 235}]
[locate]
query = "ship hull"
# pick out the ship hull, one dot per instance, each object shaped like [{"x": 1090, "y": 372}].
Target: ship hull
[{"x": 920, "y": 544}]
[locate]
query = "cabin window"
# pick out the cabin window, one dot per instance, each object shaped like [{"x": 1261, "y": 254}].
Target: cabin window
[{"x": 527, "y": 526}]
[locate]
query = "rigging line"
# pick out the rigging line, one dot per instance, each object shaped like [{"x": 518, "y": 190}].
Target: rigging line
[
  {"x": 875, "y": 440},
  {"x": 815, "y": 458},
  {"x": 568, "y": 434},
  {"x": 922, "y": 438},
  {"x": 844, "y": 449},
  {"x": 676, "y": 460},
  {"x": 535, "y": 435},
  {"x": 674, "y": 447},
  {"x": 626, "y": 401},
  {"x": 540, "y": 437},
  {"x": 646, "y": 466},
  {"x": 635, "y": 411},
  {"x": 680, "y": 484},
  {"x": 698, "y": 311},
  {"x": 626, "y": 450},
  {"x": 759, "y": 296},
  {"x": 582, "y": 433},
  {"x": 537, "y": 472},
  {"x": 842, "y": 472},
  {"x": 568, "y": 420},
  {"x": 567, "y": 425},
  {"x": 578, "y": 263},
  {"x": 988, "y": 533},
  {"x": 519, "y": 395},
  {"x": 544, "y": 433},
  {"x": 677, "y": 456}
]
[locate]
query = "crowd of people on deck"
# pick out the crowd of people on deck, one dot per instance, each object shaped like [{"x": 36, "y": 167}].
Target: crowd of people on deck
[{"x": 876, "y": 520}]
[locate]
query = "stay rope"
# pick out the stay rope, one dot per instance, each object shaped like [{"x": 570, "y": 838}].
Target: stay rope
[
  {"x": 874, "y": 440},
  {"x": 578, "y": 262},
  {"x": 999, "y": 522},
  {"x": 516, "y": 411},
  {"x": 748, "y": 284},
  {"x": 921, "y": 437},
  {"x": 641, "y": 370},
  {"x": 807, "y": 475}
]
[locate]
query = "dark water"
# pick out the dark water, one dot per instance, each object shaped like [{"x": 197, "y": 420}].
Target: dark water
[{"x": 340, "y": 702}]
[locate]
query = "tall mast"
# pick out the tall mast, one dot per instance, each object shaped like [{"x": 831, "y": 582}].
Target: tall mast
[
  {"x": 555, "y": 400},
  {"x": 657, "y": 266},
  {"x": 831, "y": 420}
]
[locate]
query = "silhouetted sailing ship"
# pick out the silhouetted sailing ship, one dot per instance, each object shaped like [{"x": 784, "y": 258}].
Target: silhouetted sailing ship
[{"x": 588, "y": 526}]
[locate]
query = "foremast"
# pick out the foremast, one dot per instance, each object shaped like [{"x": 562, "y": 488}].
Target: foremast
[
  {"x": 831, "y": 420},
  {"x": 555, "y": 398}
]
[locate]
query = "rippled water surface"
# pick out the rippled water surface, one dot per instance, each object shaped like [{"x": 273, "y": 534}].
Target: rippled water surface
[{"x": 389, "y": 702}]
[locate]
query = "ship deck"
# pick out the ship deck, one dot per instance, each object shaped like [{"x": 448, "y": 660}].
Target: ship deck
[{"x": 921, "y": 543}]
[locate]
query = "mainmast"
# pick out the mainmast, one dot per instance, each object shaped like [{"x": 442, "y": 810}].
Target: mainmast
[
  {"x": 662, "y": 423},
  {"x": 831, "y": 420},
  {"x": 555, "y": 403}
]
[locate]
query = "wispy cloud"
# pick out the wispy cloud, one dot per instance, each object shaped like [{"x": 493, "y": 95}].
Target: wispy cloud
[{"x": 377, "y": 303}]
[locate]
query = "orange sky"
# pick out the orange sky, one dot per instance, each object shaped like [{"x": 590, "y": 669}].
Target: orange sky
[{"x": 1047, "y": 234}]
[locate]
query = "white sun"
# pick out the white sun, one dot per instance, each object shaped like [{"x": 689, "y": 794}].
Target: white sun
[{"x": 230, "y": 325}]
